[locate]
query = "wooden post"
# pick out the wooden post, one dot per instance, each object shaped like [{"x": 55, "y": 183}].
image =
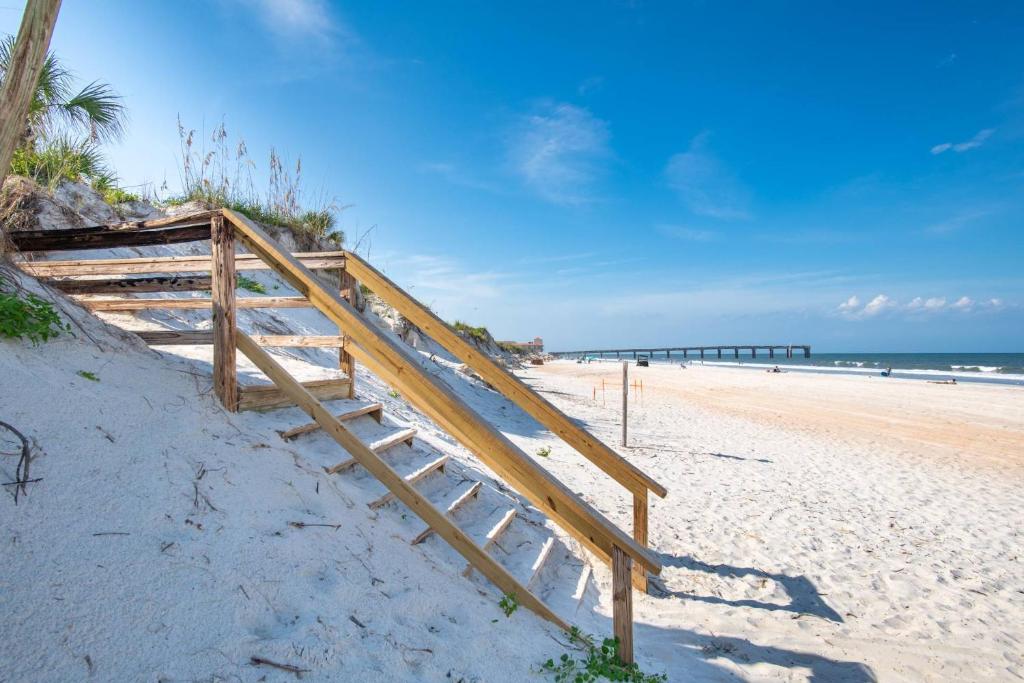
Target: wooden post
[
  {"x": 346, "y": 360},
  {"x": 625, "y": 397},
  {"x": 622, "y": 603},
  {"x": 222, "y": 253},
  {"x": 640, "y": 536},
  {"x": 22, "y": 75}
]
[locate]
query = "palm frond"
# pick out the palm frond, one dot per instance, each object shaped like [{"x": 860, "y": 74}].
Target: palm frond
[{"x": 98, "y": 108}]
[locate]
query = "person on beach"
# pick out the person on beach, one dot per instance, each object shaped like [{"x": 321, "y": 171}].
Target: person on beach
[{"x": 887, "y": 372}]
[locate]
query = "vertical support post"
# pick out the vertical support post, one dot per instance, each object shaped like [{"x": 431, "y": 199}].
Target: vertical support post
[
  {"x": 625, "y": 397},
  {"x": 719, "y": 353},
  {"x": 346, "y": 360},
  {"x": 771, "y": 352},
  {"x": 222, "y": 253},
  {"x": 702, "y": 354},
  {"x": 640, "y": 536},
  {"x": 622, "y": 603}
]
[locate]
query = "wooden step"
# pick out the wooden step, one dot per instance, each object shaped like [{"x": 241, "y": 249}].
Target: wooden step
[
  {"x": 374, "y": 409},
  {"x": 379, "y": 446},
  {"x": 412, "y": 478},
  {"x": 581, "y": 585},
  {"x": 538, "y": 562},
  {"x": 267, "y": 397},
  {"x": 492, "y": 535},
  {"x": 462, "y": 495}
]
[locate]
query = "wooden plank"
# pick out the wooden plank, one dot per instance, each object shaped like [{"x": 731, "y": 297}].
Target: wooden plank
[
  {"x": 168, "y": 264},
  {"x": 622, "y": 603},
  {"x": 270, "y": 397},
  {"x": 132, "y": 285},
  {"x": 223, "y": 284},
  {"x": 346, "y": 361},
  {"x": 433, "y": 466},
  {"x": 461, "y": 499},
  {"x": 510, "y": 386},
  {"x": 492, "y": 536},
  {"x": 640, "y": 536},
  {"x": 374, "y": 409},
  {"x": 542, "y": 557},
  {"x": 127, "y": 305},
  {"x": 392, "y": 363},
  {"x": 401, "y": 436},
  {"x": 105, "y": 238},
  {"x": 405, "y": 492},
  {"x": 201, "y": 337}
]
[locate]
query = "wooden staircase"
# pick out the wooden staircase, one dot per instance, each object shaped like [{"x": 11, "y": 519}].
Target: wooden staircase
[{"x": 495, "y": 533}]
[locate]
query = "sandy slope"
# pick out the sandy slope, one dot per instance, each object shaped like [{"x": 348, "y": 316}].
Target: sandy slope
[{"x": 830, "y": 528}]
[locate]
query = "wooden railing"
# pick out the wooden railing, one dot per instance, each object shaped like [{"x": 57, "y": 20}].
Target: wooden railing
[{"x": 359, "y": 341}]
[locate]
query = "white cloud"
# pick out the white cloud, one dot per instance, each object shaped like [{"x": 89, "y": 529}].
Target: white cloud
[
  {"x": 977, "y": 141},
  {"x": 705, "y": 184},
  {"x": 850, "y": 305},
  {"x": 683, "y": 232},
  {"x": 959, "y": 221},
  {"x": 918, "y": 306},
  {"x": 964, "y": 303},
  {"x": 559, "y": 152},
  {"x": 879, "y": 304},
  {"x": 296, "y": 18}
]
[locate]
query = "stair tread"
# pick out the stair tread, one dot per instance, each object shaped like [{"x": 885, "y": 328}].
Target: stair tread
[
  {"x": 381, "y": 444},
  {"x": 412, "y": 478},
  {"x": 350, "y": 414},
  {"x": 455, "y": 498}
]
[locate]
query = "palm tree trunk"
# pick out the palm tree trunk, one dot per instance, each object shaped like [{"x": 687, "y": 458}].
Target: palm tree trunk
[{"x": 23, "y": 75}]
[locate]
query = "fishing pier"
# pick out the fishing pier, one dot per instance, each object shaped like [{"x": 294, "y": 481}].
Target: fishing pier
[{"x": 790, "y": 351}]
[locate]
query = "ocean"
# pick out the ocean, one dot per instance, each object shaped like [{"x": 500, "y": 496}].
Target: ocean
[{"x": 996, "y": 368}]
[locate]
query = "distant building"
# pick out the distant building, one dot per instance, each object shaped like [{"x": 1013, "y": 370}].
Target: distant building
[{"x": 535, "y": 346}]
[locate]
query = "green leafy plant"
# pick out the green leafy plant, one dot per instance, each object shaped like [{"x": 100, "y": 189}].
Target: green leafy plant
[
  {"x": 52, "y": 161},
  {"x": 394, "y": 394},
  {"x": 599, "y": 663},
  {"x": 116, "y": 195},
  {"x": 512, "y": 348},
  {"x": 88, "y": 375},
  {"x": 509, "y": 603},
  {"x": 28, "y": 316},
  {"x": 250, "y": 285},
  {"x": 544, "y": 452}
]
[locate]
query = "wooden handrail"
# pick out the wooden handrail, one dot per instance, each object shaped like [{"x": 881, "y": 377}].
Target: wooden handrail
[
  {"x": 395, "y": 366},
  {"x": 514, "y": 389}
]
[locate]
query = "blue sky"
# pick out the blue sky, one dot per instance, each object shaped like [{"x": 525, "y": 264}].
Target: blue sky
[{"x": 622, "y": 173}]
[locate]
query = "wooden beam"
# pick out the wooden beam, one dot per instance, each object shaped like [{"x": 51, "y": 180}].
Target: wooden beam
[
  {"x": 346, "y": 361},
  {"x": 201, "y": 337},
  {"x": 105, "y": 238},
  {"x": 622, "y": 603},
  {"x": 223, "y": 284},
  {"x": 512, "y": 387},
  {"x": 389, "y": 361},
  {"x": 394, "y": 482},
  {"x": 132, "y": 285},
  {"x": 124, "y": 305},
  {"x": 22, "y": 77},
  {"x": 373, "y": 409},
  {"x": 270, "y": 397},
  {"x": 168, "y": 264},
  {"x": 640, "y": 536}
]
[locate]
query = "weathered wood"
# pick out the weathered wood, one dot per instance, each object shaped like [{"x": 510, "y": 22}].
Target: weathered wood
[
  {"x": 168, "y": 264},
  {"x": 125, "y": 305},
  {"x": 470, "y": 492},
  {"x": 625, "y": 402},
  {"x": 379, "y": 446},
  {"x": 270, "y": 397},
  {"x": 640, "y": 536},
  {"x": 372, "y": 409},
  {"x": 92, "y": 238},
  {"x": 133, "y": 285},
  {"x": 201, "y": 337},
  {"x": 389, "y": 361},
  {"x": 393, "y": 364},
  {"x": 22, "y": 77},
  {"x": 622, "y": 603},
  {"x": 405, "y": 492},
  {"x": 510, "y": 386},
  {"x": 412, "y": 478},
  {"x": 223, "y": 284},
  {"x": 346, "y": 361}
]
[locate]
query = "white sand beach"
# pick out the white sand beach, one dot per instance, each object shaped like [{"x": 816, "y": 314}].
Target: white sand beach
[{"x": 817, "y": 527}]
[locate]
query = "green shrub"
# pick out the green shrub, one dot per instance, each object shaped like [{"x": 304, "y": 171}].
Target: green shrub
[
  {"x": 250, "y": 285},
  {"x": 512, "y": 348},
  {"x": 51, "y": 162},
  {"x": 28, "y": 316},
  {"x": 91, "y": 376},
  {"x": 544, "y": 452},
  {"x": 116, "y": 195},
  {"x": 480, "y": 334},
  {"x": 600, "y": 663}
]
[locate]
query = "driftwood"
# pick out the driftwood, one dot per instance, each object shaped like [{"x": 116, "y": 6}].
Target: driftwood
[
  {"x": 21, "y": 478},
  {"x": 260, "y": 661}
]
